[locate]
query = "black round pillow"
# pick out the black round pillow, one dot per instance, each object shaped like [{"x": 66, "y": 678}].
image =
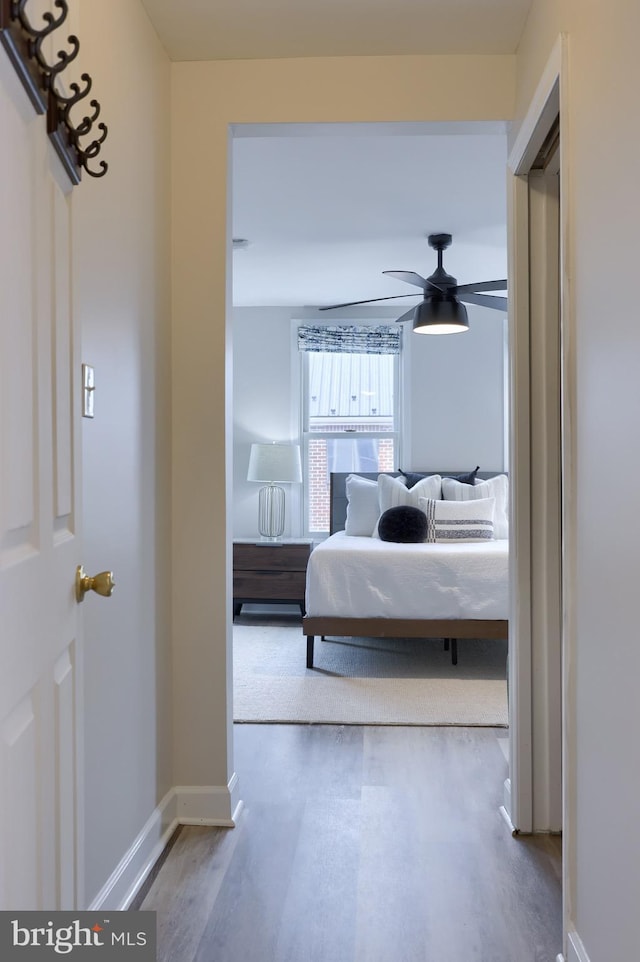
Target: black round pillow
[{"x": 404, "y": 524}]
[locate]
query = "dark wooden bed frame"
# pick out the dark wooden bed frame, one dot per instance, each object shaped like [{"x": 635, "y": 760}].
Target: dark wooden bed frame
[{"x": 447, "y": 629}]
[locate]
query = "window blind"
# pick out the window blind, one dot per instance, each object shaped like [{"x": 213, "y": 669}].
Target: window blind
[{"x": 348, "y": 339}]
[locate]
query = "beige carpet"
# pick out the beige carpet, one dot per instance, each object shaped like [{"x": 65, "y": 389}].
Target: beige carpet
[{"x": 363, "y": 681}]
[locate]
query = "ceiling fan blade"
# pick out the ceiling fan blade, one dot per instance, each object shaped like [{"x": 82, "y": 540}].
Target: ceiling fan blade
[
  {"x": 482, "y": 286},
  {"x": 484, "y": 300},
  {"x": 371, "y": 300},
  {"x": 410, "y": 277},
  {"x": 406, "y": 316}
]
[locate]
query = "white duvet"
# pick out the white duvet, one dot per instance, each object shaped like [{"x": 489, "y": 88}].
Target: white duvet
[{"x": 351, "y": 577}]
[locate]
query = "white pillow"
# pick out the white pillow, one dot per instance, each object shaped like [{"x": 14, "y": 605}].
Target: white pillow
[
  {"x": 394, "y": 491},
  {"x": 362, "y": 506},
  {"x": 459, "y": 521},
  {"x": 497, "y": 488}
]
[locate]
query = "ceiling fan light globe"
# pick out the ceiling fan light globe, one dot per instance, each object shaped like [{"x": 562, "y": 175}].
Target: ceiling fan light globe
[
  {"x": 439, "y": 315},
  {"x": 441, "y": 329}
]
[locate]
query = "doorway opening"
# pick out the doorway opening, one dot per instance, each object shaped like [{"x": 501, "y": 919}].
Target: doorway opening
[{"x": 393, "y": 194}]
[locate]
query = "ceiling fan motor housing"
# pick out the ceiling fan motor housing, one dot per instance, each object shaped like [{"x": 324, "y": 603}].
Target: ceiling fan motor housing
[{"x": 440, "y": 242}]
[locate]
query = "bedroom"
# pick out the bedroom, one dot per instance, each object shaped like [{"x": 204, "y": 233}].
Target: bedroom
[{"x": 325, "y": 210}]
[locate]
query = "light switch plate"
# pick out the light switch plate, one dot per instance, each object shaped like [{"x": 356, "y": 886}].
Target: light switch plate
[{"x": 88, "y": 389}]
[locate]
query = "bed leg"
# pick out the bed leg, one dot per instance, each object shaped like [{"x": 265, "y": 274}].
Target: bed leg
[
  {"x": 310, "y": 640},
  {"x": 454, "y": 651},
  {"x": 446, "y": 644}
]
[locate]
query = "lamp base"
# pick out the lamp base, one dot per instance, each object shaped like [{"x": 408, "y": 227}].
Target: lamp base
[{"x": 271, "y": 512}]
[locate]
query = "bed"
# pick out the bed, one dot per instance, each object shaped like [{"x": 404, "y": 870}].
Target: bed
[{"x": 359, "y": 585}]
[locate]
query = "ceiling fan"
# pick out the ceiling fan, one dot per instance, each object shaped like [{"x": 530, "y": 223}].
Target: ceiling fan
[{"x": 441, "y": 311}]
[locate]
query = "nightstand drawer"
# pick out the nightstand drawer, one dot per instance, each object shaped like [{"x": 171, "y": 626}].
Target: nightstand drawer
[
  {"x": 270, "y": 585},
  {"x": 271, "y": 557}
]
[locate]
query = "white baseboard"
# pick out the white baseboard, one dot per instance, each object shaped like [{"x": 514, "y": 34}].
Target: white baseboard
[
  {"x": 131, "y": 871},
  {"x": 183, "y": 805},
  {"x": 576, "y": 951},
  {"x": 207, "y": 804}
]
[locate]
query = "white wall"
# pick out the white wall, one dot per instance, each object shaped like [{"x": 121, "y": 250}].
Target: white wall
[
  {"x": 452, "y": 401},
  {"x": 264, "y": 406},
  {"x": 455, "y": 403},
  {"x": 122, "y": 303},
  {"x": 601, "y": 147}
]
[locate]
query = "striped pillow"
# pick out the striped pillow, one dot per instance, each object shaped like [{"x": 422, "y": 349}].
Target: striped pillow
[
  {"x": 496, "y": 487},
  {"x": 459, "y": 521}
]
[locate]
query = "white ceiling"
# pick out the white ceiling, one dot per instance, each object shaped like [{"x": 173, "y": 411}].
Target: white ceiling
[
  {"x": 327, "y": 208},
  {"x": 257, "y": 29}
]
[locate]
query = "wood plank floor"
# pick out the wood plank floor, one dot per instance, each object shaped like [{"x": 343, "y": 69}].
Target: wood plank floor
[{"x": 361, "y": 844}]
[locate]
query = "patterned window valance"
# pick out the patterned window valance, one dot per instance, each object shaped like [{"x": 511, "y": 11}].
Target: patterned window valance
[{"x": 349, "y": 339}]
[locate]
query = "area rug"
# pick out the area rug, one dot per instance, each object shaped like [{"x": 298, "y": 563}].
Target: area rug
[{"x": 363, "y": 681}]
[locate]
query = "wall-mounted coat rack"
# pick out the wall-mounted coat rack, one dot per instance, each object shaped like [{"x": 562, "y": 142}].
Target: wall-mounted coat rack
[{"x": 42, "y": 80}]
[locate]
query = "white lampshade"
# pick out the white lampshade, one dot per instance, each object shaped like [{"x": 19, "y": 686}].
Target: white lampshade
[{"x": 275, "y": 462}]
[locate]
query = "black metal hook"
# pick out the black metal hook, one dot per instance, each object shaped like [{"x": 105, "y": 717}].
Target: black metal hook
[
  {"x": 52, "y": 23},
  {"x": 66, "y": 103},
  {"x": 64, "y": 59},
  {"x": 87, "y": 123},
  {"x": 24, "y": 43},
  {"x": 94, "y": 173},
  {"x": 94, "y": 147},
  {"x": 77, "y": 95}
]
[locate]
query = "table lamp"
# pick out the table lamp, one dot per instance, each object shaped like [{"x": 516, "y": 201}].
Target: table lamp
[{"x": 273, "y": 463}]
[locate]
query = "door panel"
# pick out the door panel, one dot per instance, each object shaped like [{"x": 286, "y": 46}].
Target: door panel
[
  {"x": 18, "y": 322},
  {"x": 62, "y": 411},
  {"x": 19, "y": 806},
  {"x": 40, "y": 707},
  {"x": 64, "y": 711}
]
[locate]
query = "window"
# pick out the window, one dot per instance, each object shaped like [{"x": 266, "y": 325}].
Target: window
[{"x": 349, "y": 407}]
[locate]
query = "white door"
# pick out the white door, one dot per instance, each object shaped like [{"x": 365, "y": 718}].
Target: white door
[{"x": 40, "y": 652}]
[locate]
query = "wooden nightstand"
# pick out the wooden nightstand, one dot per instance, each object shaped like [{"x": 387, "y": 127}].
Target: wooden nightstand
[{"x": 270, "y": 571}]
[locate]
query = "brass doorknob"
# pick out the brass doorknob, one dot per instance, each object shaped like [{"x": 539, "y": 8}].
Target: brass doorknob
[{"x": 102, "y": 584}]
